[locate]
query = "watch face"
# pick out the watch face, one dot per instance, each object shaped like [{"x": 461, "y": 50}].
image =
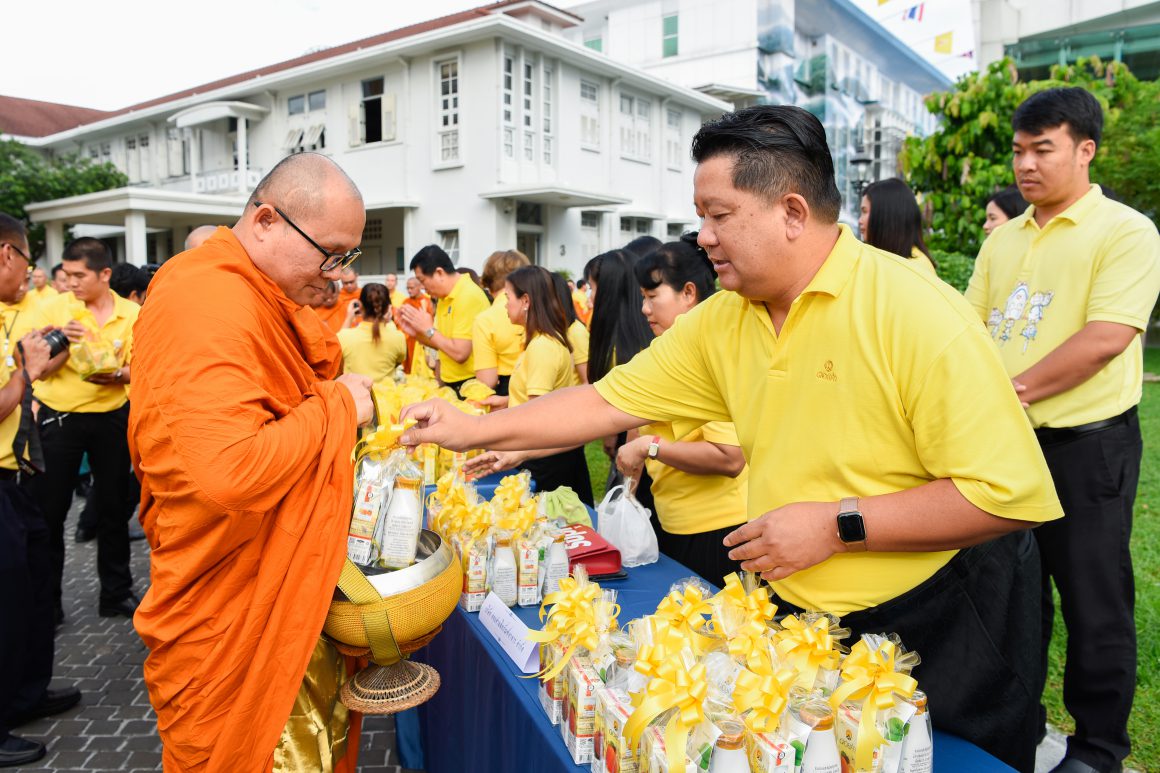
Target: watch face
[{"x": 851, "y": 528}]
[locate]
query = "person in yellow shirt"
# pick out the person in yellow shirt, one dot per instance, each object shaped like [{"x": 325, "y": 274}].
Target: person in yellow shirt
[
  {"x": 87, "y": 412},
  {"x": 496, "y": 342},
  {"x": 460, "y": 301},
  {"x": 1066, "y": 290},
  {"x": 375, "y": 347},
  {"x": 700, "y": 482},
  {"x": 578, "y": 336},
  {"x": 891, "y": 221},
  {"x": 39, "y": 288},
  {"x": 581, "y": 303},
  {"x": 397, "y": 294},
  {"x": 893, "y": 475},
  {"x": 544, "y": 366},
  {"x": 17, "y": 320}
]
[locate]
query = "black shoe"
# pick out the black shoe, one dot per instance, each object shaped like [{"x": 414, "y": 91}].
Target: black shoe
[
  {"x": 53, "y": 702},
  {"x": 123, "y": 608},
  {"x": 84, "y": 535},
  {"x": 136, "y": 532},
  {"x": 15, "y": 750},
  {"x": 1072, "y": 765}
]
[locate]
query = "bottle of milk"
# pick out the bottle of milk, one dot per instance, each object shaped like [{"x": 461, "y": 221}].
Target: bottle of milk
[{"x": 503, "y": 573}]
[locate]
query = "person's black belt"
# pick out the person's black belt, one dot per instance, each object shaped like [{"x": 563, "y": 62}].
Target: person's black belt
[
  {"x": 6, "y": 474},
  {"x": 1056, "y": 434}
]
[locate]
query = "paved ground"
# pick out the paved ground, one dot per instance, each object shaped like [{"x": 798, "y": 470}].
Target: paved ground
[{"x": 114, "y": 729}]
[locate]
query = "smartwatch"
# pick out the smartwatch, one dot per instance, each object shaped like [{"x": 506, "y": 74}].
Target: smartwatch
[
  {"x": 851, "y": 527},
  {"x": 429, "y": 333},
  {"x": 654, "y": 446}
]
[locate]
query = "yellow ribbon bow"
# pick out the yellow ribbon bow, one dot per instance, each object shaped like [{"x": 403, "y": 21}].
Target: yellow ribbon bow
[
  {"x": 381, "y": 441},
  {"x": 674, "y": 687},
  {"x": 511, "y": 492},
  {"x": 572, "y": 618},
  {"x": 870, "y": 675},
  {"x": 662, "y": 642},
  {"x": 748, "y": 638},
  {"x": 686, "y": 609},
  {"x": 755, "y": 604},
  {"x": 807, "y": 647},
  {"x": 762, "y": 690}
]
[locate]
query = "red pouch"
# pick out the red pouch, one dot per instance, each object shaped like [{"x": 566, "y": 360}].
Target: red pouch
[{"x": 586, "y": 546}]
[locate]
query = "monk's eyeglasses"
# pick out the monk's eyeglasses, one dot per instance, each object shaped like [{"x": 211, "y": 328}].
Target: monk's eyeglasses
[{"x": 333, "y": 259}]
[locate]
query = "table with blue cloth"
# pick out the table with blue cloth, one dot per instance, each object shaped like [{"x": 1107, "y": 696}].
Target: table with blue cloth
[{"x": 487, "y": 717}]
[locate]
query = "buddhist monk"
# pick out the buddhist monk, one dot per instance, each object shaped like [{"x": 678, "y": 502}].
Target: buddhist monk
[
  {"x": 241, "y": 434},
  {"x": 348, "y": 298},
  {"x": 329, "y": 310},
  {"x": 199, "y": 235}
]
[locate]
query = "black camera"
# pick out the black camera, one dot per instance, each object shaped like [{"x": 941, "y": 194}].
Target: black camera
[{"x": 57, "y": 342}]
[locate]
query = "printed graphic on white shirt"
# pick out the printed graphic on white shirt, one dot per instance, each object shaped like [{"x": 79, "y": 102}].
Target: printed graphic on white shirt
[{"x": 1023, "y": 306}]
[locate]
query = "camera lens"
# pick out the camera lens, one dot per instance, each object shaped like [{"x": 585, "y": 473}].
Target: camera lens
[{"x": 57, "y": 342}]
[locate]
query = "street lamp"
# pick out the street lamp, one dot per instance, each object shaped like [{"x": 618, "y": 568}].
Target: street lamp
[{"x": 860, "y": 172}]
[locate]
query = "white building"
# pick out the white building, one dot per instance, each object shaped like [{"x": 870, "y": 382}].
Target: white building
[
  {"x": 483, "y": 130},
  {"x": 824, "y": 55}
]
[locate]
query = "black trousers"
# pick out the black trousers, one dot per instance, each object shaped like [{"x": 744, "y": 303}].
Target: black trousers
[
  {"x": 27, "y": 619},
  {"x": 501, "y": 386},
  {"x": 1087, "y": 554},
  {"x": 65, "y": 437},
  {"x": 569, "y": 468},
  {"x": 705, "y": 552},
  {"x": 975, "y": 624}
]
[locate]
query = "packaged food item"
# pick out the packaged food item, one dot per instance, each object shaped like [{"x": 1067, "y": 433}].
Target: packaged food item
[
  {"x": 770, "y": 753},
  {"x": 821, "y": 752},
  {"x": 372, "y": 489},
  {"x": 551, "y": 690},
  {"x": 729, "y": 749},
  {"x": 557, "y": 563},
  {"x": 528, "y": 559},
  {"x": 611, "y": 753},
  {"x": 476, "y": 556},
  {"x": 579, "y": 727},
  {"x": 404, "y": 517},
  {"x": 918, "y": 745},
  {"x": 503, "y": 572},
  {"x": 94, "y": 355}
]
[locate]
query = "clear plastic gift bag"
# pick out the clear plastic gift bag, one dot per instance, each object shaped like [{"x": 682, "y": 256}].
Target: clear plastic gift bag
[{"x": 624, "y": 522}]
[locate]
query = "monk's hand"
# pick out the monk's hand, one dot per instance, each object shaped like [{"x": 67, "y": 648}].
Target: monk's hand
[
  {"x": 360, "y": 390},
  {"x": 439, "y": 422},
  {"x": 787, "y": 540}
]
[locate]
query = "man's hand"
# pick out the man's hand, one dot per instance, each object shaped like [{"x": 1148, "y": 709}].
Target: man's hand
[
  {"x": 630, "y": 458},
  {"x": 415, "y": 321},
  {"x": 36, "y": 354},
  {"x": 360, "y": 390},
  {"x": 75, "y": 331},
  {"x": 494, "y": 461},
  {"x": 787, "y": 540},
  {"x": 104, "y": 379},
  {"x": 438, "y": 422}
]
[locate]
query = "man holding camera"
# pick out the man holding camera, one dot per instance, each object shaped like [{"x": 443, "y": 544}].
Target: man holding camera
[{"x": 84, "y": 409}]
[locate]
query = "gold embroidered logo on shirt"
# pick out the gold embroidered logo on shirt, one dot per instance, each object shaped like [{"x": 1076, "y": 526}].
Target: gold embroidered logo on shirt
[{"x": 827, "y": 372}]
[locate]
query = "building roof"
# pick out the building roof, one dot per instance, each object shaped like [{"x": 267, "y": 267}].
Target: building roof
[
  {"x": 53, "y": 118},
  {"x": 33, "y": 118}
]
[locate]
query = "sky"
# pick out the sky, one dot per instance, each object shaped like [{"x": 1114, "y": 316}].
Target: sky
[{"x": 109, "y": 54}]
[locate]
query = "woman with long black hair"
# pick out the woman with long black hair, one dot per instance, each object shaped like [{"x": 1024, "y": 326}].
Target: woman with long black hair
[
  {"x": 577, "y": 331},
  {"x": 374, "y": 347},
  {"x": 891, "y": 220}
]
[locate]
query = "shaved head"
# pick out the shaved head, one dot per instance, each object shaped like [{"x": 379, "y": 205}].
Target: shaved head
[
  {"x": 305, "y": 185},
  {"x": 198, "y": 236}
]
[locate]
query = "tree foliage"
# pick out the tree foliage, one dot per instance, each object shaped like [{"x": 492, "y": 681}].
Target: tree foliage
[
  {"x": 27, "y": 177},
  {"x": 958, "y": 167}
]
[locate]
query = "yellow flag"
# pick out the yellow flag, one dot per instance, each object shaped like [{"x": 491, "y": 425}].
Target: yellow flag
[{"x": 944, "y": 43}]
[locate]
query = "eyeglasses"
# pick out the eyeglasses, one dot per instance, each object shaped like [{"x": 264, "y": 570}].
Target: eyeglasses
[
  {"x": 333, "y": 259},
  {"x": 22, "y": 253}
]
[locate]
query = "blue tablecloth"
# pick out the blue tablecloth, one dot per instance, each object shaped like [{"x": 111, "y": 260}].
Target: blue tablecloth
[{"x": 487, "y": 718}]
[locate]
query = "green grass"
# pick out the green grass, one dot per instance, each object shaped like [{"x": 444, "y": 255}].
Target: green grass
[{"x": 1145, "y": 719}]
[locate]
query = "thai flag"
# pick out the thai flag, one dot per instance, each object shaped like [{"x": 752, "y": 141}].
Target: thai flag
[{"x": 913, "y": 13}]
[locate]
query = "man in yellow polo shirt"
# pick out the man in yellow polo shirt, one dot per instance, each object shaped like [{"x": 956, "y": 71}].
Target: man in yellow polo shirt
[
  {"x": 459, "y": 302},
  {"x": 496, "y": 341},
  {"x": 88, "y": 414},
  {"x": 39, "y": 288},
  {"x": 882, "y": 435},
  {"x": 1066, "y": 289},
  {"x": 17, "y": 320}
]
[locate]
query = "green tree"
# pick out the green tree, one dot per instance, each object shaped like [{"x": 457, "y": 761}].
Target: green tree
[
  {"x": 27, "y": 177},
  {"x": 956, "y": 168}
]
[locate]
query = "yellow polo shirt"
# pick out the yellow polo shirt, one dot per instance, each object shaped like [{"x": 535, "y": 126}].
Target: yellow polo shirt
[
  {"x": 361, "y": 355},
  {"x": 65, "y": 390},
  {"x": 880, "y": 380},
  {"x": 496, "y": 342},
  {"x": 454, "y": 318},
  {"x": 18, "y": 320},
  {"x": 1099, "y": 260},
  {"x": 923, "y": 260},
  {"x": 545, "y": 366},
  {"x": 8, "y": 427},
  {"x": 578, "y": 336},
  {"x": 397, "y": 298},
  {"x": 48, "y": 292},
  {"x": 692, "y": 504}
]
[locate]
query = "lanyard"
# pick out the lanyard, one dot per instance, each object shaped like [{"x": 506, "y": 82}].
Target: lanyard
[{"x": 9, "y": 360}]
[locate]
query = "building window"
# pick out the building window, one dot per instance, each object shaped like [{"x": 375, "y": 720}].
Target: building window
[
  {"x": 632, "y": 227},
  {"x": 546, "y": 110},
  {"x": 373, "y": 118},
  {"x": 296, "y": 105},
  {"x": 508, "y": 107},
  {"x": 635, "y": 139},
  {"x": 673, "y": 144},
  {"x": 137, "y": 159},
  {"x": 596, "y": 44},
  {"x": 669, "y": 35},
  {"x": 449, "y": 241},
  {"x": 675, "y": 230},
  {"x": 589, "y": 114},
  {"x": 448, "y": 113},
  {"x": 94, "y": 153},
  {"x": 177, "y": 153},
  {"x": 316, "y": 100},
  {"x": 589, "y": 234},
  {"x": 529, "y": 125},
  {"x": 528, "y": 213}
]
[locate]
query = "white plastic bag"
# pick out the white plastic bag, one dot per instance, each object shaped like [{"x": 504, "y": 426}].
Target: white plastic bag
[{"x": 625, "y": 523}]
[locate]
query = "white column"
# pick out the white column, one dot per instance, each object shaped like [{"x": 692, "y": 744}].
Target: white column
[
  {"x": 135, "y": 245},
  {"x": 243, "y": 161},
  {"x": 53, "y": 242}
]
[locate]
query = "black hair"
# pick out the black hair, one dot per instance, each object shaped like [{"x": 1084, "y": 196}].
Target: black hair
[
  {"x": 776, "y": 149},
  {"x": 895, "y": 222},
  {"x": 57, "y": 267},
  {"x": 376, "y": 304},
  {"x": 1010, "y": 200},
  {"x": 565, "y": 294},
  {"x": 581, "y": 284},
  {"x": 545, "y": 311},
  {"x": 94, "y": 252},
  {"x": 643, "y": 245},
  {"x": 619, "y": 328},
  {"x": 676, "y": 264},
  {"x": 430, "y": 258},
  {"x": 1071, "y": 105},
  {"x": 12, "y": 230},
  {"x": 127, "y": 279}
]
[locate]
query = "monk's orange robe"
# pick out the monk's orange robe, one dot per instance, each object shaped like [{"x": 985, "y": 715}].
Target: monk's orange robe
[
  {"x": 423, "y": 303},
  {"x": 334, "y": 317},
  {"x": 242, "y": 444}
]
